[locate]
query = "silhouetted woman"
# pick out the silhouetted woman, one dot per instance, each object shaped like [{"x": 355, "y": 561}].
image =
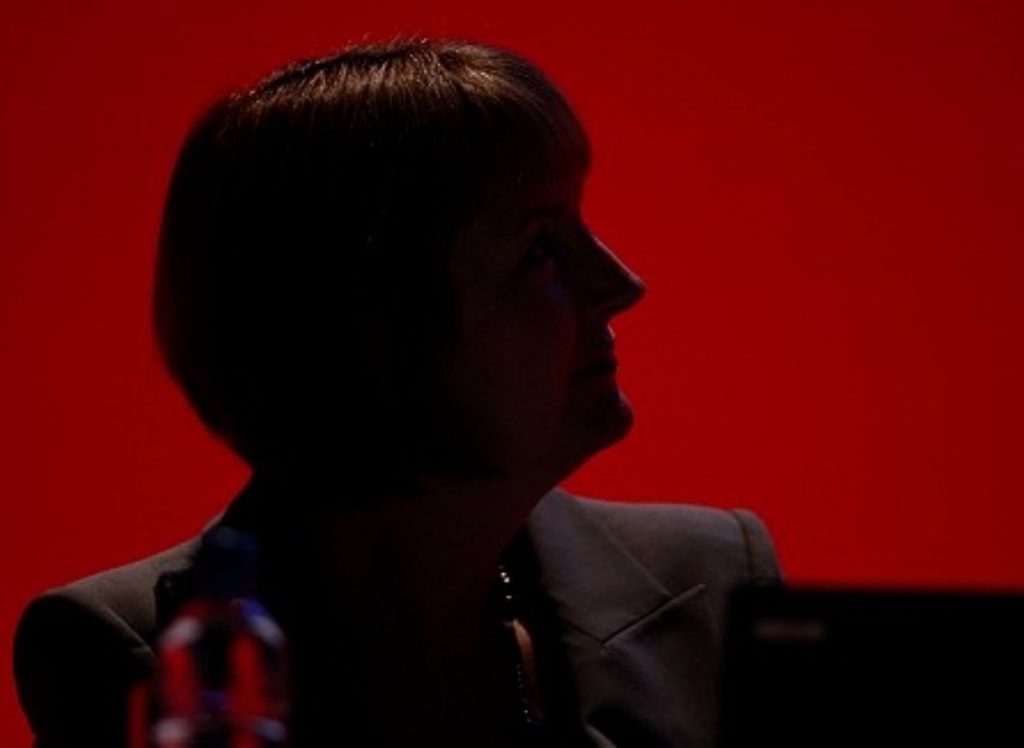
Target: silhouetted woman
[{"x": 375, "y": 285}]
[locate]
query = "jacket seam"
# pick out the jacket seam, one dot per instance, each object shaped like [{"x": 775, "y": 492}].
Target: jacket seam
[{"x": 747, "y": 544}]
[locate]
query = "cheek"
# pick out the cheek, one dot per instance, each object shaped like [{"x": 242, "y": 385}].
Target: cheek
[
  {"x": 547, "y": 338},
  {"x": 518, "y": 350}
]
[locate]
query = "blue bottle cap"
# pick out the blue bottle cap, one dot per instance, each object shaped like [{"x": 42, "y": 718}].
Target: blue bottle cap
[{"x": 227, "y": 562}]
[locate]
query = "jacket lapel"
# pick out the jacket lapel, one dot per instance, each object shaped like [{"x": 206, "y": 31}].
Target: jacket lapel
[
  {"x": 642, "y": 656},
  {"x": 584, "y": 568}
]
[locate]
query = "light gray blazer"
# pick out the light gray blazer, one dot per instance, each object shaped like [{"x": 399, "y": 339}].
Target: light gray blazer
[{"x": 639, "y": 592}]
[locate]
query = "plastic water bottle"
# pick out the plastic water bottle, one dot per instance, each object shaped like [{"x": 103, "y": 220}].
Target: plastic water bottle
[{"x": 221, "y": 679}]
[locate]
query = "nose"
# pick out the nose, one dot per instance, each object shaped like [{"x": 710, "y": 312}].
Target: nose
[{"x": 613, "y": 287}]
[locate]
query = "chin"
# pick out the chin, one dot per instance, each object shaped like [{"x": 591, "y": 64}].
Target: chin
[{"x": 605, "y": 423}]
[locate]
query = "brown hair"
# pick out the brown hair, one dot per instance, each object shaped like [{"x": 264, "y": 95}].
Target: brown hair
[{"x": 301, "y": 276}]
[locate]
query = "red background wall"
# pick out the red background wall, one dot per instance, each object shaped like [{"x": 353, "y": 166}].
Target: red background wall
[{"x": 825, "y": 202}]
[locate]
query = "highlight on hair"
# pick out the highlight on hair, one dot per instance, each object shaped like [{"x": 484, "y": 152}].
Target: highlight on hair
[{"x": 301, "y": 280}]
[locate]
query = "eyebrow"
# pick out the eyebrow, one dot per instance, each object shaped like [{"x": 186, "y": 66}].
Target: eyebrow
[
  {"x": 544, "y": 211},
  {"x": 524, "y": 219}
]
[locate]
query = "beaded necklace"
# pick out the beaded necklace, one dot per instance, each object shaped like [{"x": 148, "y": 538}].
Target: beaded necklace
[{"x": 531, "y": 717}]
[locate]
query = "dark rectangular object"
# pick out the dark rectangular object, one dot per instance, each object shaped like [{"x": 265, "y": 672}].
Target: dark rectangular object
[{"x": 872, "y": 668}]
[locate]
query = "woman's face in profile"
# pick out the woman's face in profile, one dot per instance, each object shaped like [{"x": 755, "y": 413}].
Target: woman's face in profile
[{"x": 530, "y": 381}]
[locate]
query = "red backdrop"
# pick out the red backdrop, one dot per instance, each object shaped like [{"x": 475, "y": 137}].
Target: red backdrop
[{"x": 825, "y": 204}]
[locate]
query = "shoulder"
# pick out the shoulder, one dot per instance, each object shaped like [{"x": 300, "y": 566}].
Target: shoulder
[
  {"x": 607, "y": 564},
  {"x": 690, "y": 539},
  {"x": 641, "y": 592},
  {"x": 77, "y": 647},
  {"x": 122, "y": 597}
]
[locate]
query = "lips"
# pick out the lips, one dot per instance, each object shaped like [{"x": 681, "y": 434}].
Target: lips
[{"x": 600, "y": 354}]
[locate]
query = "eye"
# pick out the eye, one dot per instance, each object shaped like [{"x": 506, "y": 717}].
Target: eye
[{"x": 543, "y": 248}]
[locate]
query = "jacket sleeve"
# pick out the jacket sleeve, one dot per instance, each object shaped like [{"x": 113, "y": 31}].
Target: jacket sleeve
[{"x": 74, "y": 662}]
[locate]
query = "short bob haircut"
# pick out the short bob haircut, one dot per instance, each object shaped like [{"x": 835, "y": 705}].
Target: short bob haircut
[{"x": 301, "y": 285}]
